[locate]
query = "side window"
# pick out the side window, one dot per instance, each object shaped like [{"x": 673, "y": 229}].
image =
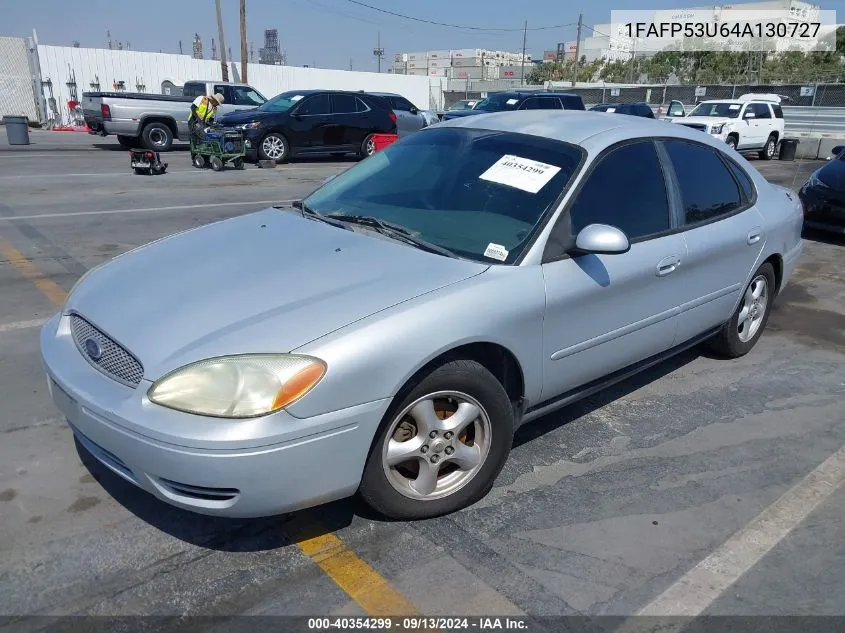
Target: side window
[
  {"x": 194, "y": 89},
  {"x": 572, "y": 103},
  {"x": 743, "y": 179},
  {"x": 360, "y": 106},
  {"x": 549, "y": 103},
  {"x": 245, "y": 96},
  {"x": 762, "y": 111},
  {"x": 343, "y": 104},
  {"x": 707, "y": 188},
  {"x": 226, "y": 91},
  {"x": 401, "y": 104},
  {"x": 531, "y": 103},
  {"x": 778, "y": 111},
  {"x": 318, "y": 104},
  {"x": 606, "y": 196}
]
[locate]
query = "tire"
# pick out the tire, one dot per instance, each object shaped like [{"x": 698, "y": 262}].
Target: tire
[
  {"x": 216, "y": 163},
  {"x": 368, "y": 147},
  {"x": 238, "y": 163},
  {"x": 199, "y": 161},
  {"x": 394, "y": 491},
  {"x": 157, "y": 137},
  {"x": 128, "y": 142},
  {"x": 732, "y": 141},
  {"x": 739, "y": 335},
  {"x": 274, "y": 146},
  {"x": 768, "y": 152},
  {"x": 141, "y": 171}
]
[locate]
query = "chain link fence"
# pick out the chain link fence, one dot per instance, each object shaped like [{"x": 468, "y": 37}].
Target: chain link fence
[{"x": 823, "y": 95}]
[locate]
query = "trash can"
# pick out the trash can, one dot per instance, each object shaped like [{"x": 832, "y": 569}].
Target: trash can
[
  {"x": 788, "y": 148},
  {"x": 17, "y": 130}
]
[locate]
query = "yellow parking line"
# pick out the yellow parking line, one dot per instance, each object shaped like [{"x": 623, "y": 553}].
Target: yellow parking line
[
  {"x": 355, "y": 577},
  {"x": 47, "y": 286},
  {"x": 360, "y": 581}
]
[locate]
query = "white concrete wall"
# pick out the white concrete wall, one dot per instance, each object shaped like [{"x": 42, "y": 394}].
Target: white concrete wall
[
  {"x": 17, "y": 96},
  {"x": 58, "y": 63}
]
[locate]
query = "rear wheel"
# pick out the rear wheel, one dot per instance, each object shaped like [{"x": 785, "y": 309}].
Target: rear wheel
[
  {"x": 157, "y": 137},
  {"x": 441, "y": 444},
  {"x": 199, "y": 161},
  {"x": 128, "y": 142},
  {"x": 216, "y": 163},
  {"x": 740, "y": 334},
  {"x": 368, "y": 147},
  {"x": 768, "y": 152},
  {"x": 238, "y": 163}
]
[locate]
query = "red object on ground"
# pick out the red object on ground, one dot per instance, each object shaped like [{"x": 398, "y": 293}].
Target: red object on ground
[
  {"x": 383, "y": 140},
  {"x": 72, "y": 128}
]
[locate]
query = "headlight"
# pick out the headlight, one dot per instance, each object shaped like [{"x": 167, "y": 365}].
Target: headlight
[
  {"x": 251, "y": 126},
  {"x": 717, "y": 129},
  {"x": 813, "y": 181},
  {"x": 245, "y": 386}
]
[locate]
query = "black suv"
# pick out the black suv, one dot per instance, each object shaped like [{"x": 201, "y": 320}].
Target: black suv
[
  {"x": 301, "y": 122},
  {"x": 521, "y": 100},
  {"x": 634, "y": 109}
]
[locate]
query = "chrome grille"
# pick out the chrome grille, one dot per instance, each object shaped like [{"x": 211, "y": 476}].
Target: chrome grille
[{"x": 114, "y": 360}]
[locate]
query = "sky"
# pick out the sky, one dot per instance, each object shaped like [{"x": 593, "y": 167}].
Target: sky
[{"x": 323, "y": 33}]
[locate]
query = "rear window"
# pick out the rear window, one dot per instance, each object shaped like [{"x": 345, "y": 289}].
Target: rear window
[
  {"x": 572, "y": 102},
  {"x": 778, "y": 111},
  {"x": 193, "y": 89}
]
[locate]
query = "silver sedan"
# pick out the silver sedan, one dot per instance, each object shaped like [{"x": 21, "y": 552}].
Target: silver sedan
[{"x": 389, "y": 333}]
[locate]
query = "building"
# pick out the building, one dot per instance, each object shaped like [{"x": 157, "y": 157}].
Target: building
[{"x": 463, "y": 63}]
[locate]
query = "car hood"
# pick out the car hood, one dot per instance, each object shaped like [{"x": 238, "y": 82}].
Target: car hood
[
  {"x": 269, "y": 281},
  {"x": 456, "y": 114},
  {"x": 239, "y": 117},
  {"x": 708, "y": 120},
  {"x": 833, "y": 174}
]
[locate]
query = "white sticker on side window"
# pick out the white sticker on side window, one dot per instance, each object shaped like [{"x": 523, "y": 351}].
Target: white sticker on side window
[
  {"x": 734, "y": 106},
  {"x": 496, "y": 251},
  {"x": 511, "y": 101},
  {"x": 296, "y": 98},
  {"x": 521, "y": 173}
]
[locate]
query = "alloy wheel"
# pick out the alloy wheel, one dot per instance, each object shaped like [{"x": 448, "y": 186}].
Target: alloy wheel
[
  {"x": 273, "y": 147},
  {"x": 754, "y": 305},
  {"x": 436, "y": 445}
]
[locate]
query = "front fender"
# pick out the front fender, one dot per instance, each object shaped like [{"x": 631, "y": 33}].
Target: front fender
[{"x": 373, "y": 358}]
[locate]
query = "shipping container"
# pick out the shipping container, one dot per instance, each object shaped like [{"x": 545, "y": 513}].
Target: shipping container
[
  {"x": 464, "y": 62},
  {"x": 513, "y": 72},
  {"x": 472, "y": 72},
  {"x": 468, "y": 52},
  {"x": 417, "y": 57},
  {"x": 418, "y": 72},
  {"x": 549, "y": 56},
  {"x": 439, "y": 55},
  {"x": 438, "y": 72},
  {"x": 439, "y": 63},
  {"x": 418, "y": 64}
]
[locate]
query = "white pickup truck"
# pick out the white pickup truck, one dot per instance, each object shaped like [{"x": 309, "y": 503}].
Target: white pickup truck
[
  {"x": 747, "y": 123},
  {"x": 154, "y": 121}
]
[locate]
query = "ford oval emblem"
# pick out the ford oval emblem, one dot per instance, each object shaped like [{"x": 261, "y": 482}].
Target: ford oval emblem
[{"x": 92, "y": 347}]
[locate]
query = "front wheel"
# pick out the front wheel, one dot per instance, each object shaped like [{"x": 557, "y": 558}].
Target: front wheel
[
  {"x": 274, "y": 147},
  {"x": 199, "y": 161},
  {"x": 743, "y": 330},
  {"x": 216, "y": 163},
  {"x": 768, "y": 152},
  {"x": 238, "y": 163},
  {"x": 441, "y": 445},
  {"x": 731, "y": 142}
]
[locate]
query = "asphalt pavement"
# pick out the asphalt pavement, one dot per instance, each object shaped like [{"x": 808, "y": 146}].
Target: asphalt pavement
[{"x": 617, "y": 505}]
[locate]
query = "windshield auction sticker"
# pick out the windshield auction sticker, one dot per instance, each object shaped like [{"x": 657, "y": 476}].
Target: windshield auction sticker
[
  {"x": 725, "y": 28},
  {"x": 521, "y": 173}
]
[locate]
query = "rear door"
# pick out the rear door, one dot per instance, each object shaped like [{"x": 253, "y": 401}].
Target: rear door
[
  {"x": 722, "y": 230},
  {"x": 346, "y": 121}
]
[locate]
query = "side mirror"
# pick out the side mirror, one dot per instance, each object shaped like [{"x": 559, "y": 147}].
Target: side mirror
[
  {"x": 601, "y": 239},
  {"x": 836, "y": 151},
  {"x": 414, "y": 110}
]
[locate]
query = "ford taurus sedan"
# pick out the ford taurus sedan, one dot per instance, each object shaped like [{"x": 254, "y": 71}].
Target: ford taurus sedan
[{"x": 386, "y": 335}]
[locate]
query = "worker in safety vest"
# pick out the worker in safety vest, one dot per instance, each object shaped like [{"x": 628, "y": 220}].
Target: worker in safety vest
[{"x": 203, "y": 110}]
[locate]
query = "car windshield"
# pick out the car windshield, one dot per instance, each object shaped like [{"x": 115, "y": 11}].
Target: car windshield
[
  {"x": 498, "y": 102},
  {"x": 478, "y": 193},
  {"x": 726, "y": 109},
  {"x": 282, "y": 102},
  {"x": 461, "y": 105}
]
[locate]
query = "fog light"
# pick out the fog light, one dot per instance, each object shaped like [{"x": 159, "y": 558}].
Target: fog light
[{"x": 247, "y": 144}]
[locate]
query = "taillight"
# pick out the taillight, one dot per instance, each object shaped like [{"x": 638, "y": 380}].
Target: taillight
[
  {"x": 393, "y": 117},
  {"x": 105, "y": 111},
  {"x": 149, "y": 154}
]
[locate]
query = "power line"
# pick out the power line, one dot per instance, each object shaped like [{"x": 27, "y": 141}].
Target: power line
[{"x": 454, "y": 26}]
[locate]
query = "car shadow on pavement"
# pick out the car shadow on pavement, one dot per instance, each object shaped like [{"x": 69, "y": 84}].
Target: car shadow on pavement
[
  {"x": 220, "y": 533},
  {"x": 116, "y": 147}
]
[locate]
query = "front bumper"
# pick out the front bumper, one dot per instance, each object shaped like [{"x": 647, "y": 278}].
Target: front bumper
[
  {"x": 821, "y": 212},
  {"x": 247, "y": 468}
]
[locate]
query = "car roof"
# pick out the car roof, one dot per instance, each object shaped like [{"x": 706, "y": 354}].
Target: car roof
[
  {"x": 216, "y": 81},
  {"x": 592, "y": 130}
]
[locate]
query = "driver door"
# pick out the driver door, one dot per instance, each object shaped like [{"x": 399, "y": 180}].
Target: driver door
[{"x": 606, "y": 312}]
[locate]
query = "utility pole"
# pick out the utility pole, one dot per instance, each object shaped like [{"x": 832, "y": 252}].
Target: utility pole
[
  {"x": 180, "y": 47},
  {"x": 577, "y": 49},
  {"x": 224, "y": 68},
  {"x": 243, "y": 42},
  {"x": 379, "y": 51},
  {"x": 350, "y": 64},
  {"x": 524, "y": 38}
]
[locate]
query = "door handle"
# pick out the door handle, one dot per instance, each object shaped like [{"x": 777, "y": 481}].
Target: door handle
[
  {"x": 668, "y": 265},
  {"x": 754, "y": 236}
]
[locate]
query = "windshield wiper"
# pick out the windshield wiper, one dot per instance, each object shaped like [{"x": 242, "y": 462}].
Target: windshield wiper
[
  {"x": 392, "y": 230},
  {"x": 308, "y": 212}
]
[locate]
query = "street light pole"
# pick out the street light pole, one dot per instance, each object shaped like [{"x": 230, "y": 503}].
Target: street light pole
[{"x": 524, "y": 38}]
